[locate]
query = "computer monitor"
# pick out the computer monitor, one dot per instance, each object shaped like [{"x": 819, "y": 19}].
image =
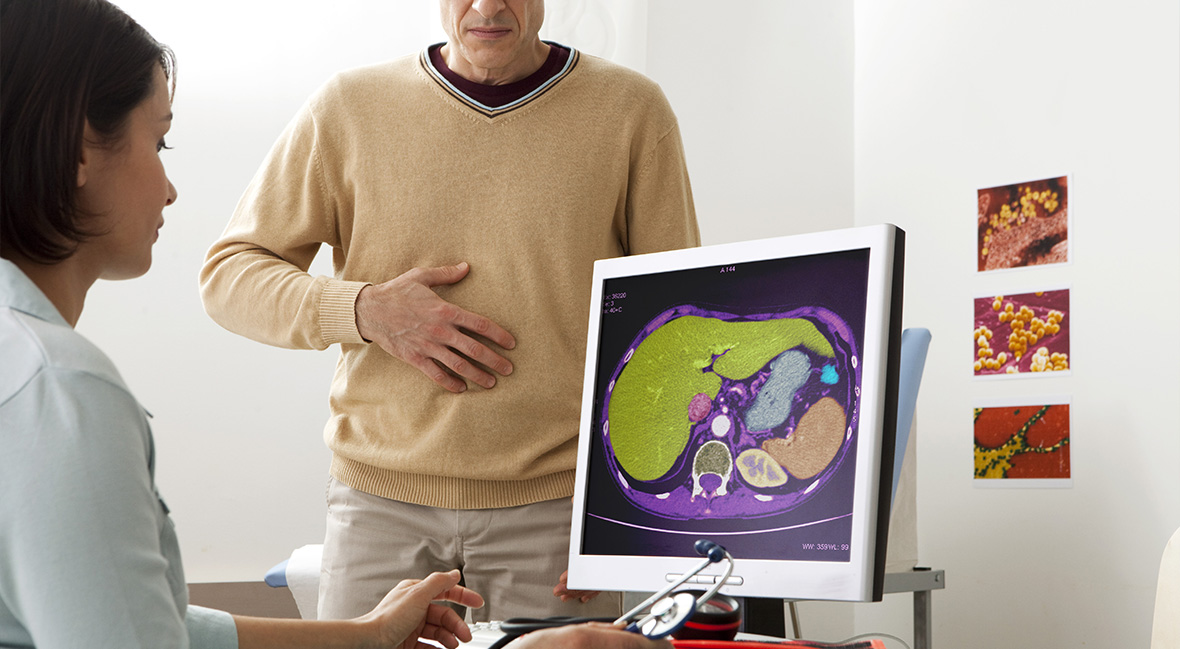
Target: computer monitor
[{"x": 742, "y": 393}]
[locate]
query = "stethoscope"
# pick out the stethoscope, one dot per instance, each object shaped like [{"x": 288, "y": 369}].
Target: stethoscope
[{"x": 669, "y": 612}]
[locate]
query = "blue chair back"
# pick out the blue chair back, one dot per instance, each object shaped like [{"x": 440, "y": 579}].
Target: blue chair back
[{"x": 914, "y": 344}]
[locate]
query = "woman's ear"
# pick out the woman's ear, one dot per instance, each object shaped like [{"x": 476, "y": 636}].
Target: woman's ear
[{"x": 86, "y": 159}]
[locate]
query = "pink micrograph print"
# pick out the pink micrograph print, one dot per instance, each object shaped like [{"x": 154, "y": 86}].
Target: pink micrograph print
[{"x": 1018, "y": 334}]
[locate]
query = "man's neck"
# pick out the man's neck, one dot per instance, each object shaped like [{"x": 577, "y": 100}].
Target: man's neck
[{"x": 518, "y": 69}]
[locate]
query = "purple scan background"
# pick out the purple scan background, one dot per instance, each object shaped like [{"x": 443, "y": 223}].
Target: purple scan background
[
  {"x": 673, "y": 497},
  {"x": 830, "y": 290}
]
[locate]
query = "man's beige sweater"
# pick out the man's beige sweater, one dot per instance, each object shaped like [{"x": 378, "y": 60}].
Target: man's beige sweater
[{"x": 395, "y": 169}]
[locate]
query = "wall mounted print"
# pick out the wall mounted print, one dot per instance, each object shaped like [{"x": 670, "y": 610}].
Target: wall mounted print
[
  {"x": 1022, "y": 443},
  {"x": 1022, "y": 335},
  {"x": 1023, "y": 224}
]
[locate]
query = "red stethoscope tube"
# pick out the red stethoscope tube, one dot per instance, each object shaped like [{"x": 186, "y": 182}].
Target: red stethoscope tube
[
  {"x": 784, "y": 644},
  {"x": 701, "y": 626}
]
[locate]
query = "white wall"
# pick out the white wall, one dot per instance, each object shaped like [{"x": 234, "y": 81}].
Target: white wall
[
  {"x": 764, "y": 99},
  {"x": 952, "y": 96}
]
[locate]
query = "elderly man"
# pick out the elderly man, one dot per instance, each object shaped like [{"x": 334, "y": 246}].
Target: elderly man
[{"x": 465, "y": 192}]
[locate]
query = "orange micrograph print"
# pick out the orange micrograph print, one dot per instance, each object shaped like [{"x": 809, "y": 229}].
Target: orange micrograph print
[
  {"x": 1019, "y": 334},
  {"x": 1014, "y": 442},
  {"x": 1025, "y": 224}
]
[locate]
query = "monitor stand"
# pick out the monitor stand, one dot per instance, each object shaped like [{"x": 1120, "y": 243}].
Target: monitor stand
[{"x": 765, "y": 616}]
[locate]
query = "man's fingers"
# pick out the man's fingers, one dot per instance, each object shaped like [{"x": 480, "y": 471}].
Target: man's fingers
[
  {"x": 436, "y": 373},
  {"x": 439, "y": 275},
  {"x": 447, "y": 343},
  {"x": 464, "y": 368},
  {"x": 563, "y": 591},
  {"x": 466, "y": 357},
  {"x": 449, "y": 370},
  {"x": 480, "y": 353},
  {"x": 566, "y": 595},
  {"x": 474, "y": 323},
  {"x": 482, "y": 326}
]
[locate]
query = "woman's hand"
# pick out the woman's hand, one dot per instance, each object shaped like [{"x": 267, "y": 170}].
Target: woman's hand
[
  {"x": 410, "y": 611},
  {"x": 595, "y": 635}
]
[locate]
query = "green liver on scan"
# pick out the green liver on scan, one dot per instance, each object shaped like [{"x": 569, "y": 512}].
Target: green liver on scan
[{"x": 648, "y": 411}]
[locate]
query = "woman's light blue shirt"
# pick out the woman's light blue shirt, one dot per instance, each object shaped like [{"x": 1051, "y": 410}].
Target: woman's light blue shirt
[{"x": 88, "y": 553}]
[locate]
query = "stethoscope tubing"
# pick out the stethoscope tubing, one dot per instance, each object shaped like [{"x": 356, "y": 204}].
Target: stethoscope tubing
[
  {"x": 515, "y": 627},
  {"x": 714, "y": 553},
  {"x": 626, "y": 618},
  {"x": 764, "y": 644},
  {"x": 518, "y": 626}
]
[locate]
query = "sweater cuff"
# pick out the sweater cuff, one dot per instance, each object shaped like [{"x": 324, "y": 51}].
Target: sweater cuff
[{"x": 338, "y": 312}]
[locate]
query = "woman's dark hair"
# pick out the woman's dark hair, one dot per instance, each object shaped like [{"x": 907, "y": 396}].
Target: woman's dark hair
[{"x": 63, "y": 64}]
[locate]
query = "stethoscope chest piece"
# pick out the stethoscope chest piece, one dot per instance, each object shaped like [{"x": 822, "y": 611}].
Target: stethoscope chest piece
[{"x": 669, "y": 614}]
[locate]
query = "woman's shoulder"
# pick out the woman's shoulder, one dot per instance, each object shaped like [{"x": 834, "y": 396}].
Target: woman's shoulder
[
  {"x": 64, "y": 404},
  {"x": 33, "y": 347}
]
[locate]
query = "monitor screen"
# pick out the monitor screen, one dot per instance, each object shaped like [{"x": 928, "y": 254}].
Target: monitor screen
[{"x": 746, "y": 394}]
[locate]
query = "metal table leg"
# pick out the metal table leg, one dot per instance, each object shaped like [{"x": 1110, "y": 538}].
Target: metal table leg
[{"x": 922, "y": 619}]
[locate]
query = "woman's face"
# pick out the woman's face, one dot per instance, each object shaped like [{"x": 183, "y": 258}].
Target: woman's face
[{"x": 125, "y": 186}]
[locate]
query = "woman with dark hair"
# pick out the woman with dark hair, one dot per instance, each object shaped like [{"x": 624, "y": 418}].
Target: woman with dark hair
[
  {"x": 87, "y": 552},
  {"x": 88, "y": 555}
]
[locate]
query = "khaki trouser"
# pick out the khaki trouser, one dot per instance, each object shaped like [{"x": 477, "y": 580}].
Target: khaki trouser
[{"x": 511, "y": 556}]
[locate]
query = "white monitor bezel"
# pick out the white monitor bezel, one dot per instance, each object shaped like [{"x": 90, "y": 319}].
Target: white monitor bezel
[{"x": 860, "y": 579}]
